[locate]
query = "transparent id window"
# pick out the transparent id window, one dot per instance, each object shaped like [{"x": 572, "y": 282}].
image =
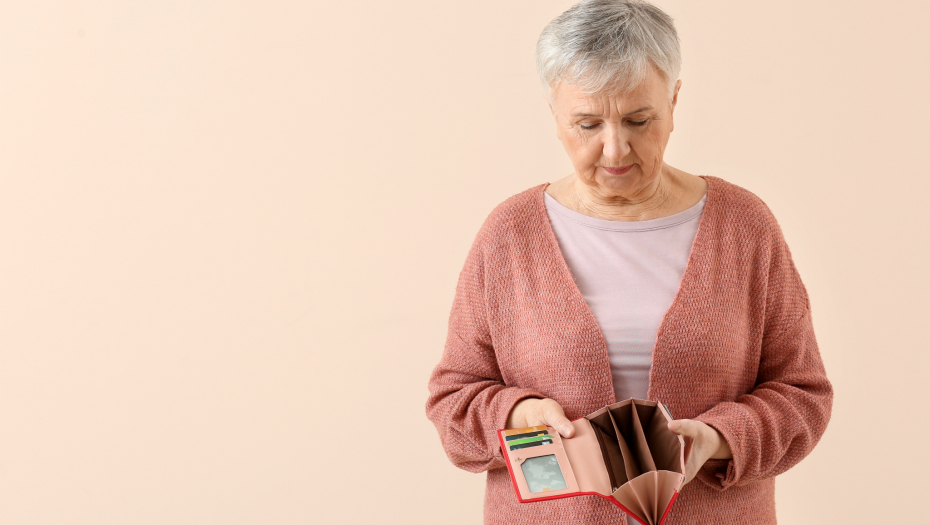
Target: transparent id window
[{"x": 543, "y": 473}]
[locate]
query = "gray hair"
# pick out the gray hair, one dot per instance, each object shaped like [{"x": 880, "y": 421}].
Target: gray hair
[{"x": 606, "y": 46}]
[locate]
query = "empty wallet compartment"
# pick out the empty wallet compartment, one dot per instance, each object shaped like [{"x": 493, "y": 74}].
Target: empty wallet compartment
[
  {"x": 658, "y": 454},
  {"x": 610, "y": 443}
]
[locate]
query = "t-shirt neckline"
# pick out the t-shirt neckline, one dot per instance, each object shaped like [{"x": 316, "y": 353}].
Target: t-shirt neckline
[{"x": 626, "y": 226}]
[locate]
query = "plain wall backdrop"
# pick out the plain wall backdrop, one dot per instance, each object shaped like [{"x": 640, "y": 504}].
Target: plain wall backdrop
[{"x": 231, "y": 234}]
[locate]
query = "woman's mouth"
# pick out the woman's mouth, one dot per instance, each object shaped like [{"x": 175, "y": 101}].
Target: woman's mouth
[{"x": 617, "y": 171}]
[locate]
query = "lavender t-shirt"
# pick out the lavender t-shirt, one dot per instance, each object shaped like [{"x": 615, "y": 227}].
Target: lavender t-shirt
[{"x": 628, "y": 272}]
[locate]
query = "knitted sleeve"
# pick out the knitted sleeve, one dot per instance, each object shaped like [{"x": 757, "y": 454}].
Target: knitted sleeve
[
  {"x": 468, "y": 399},
  {"x": 778, "y": 423}
]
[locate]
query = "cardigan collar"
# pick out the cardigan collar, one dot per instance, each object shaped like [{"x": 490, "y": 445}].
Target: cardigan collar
[{"x": 692, "y": 281}]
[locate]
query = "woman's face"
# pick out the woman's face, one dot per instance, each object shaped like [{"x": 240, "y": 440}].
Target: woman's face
[{"x": 616, "y": 143}]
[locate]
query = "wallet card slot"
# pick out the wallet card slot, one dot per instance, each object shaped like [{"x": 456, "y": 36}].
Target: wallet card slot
[
  {"x": 640, "y": 444},
  {"x": 605, "y": 432}
]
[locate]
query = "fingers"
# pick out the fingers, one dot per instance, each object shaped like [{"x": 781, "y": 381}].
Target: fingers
[
  {"x": 685, "y": 427},
  {"x": 558, "y": 421},
  {"x": 701, "y": 443},
  {"x": 549, "y": 412}
]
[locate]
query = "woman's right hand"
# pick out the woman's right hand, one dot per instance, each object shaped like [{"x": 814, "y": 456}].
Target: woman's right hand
[{"x": 533, "y": 411}]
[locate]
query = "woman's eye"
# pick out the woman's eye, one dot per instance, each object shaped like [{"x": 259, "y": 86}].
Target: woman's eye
[
  {"x": 640, "y": 123},
  {"x": 592, "y": 126}
]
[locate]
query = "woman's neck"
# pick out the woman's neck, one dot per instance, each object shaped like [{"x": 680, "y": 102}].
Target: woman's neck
[
  {"x": 644, "y": 204},
  {"x": 672, "y": 192}
]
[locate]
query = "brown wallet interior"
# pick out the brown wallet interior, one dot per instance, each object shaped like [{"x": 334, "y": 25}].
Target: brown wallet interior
[{"x": 634, "y": 439}]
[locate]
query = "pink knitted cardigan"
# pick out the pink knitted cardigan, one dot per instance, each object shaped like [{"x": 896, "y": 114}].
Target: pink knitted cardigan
[{"x": 736, "y": 350}]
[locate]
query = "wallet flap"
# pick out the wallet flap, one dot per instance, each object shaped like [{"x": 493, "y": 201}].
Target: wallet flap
[{"x": 587, "y": 460}]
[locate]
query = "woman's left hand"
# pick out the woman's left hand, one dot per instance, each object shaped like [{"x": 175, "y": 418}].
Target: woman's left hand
[{"x": 702, "y": 442}]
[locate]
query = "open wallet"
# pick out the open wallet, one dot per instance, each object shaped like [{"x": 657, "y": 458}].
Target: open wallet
[{"x": 623, "y": 452}]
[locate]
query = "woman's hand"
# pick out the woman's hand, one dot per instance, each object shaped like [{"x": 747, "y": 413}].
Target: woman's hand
[
  {"x": 702, "y": 442},
  {"x": 532, "y": 411}
]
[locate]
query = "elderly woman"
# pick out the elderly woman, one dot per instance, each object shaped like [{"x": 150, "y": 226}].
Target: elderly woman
[{"x": 631, "y": 278}]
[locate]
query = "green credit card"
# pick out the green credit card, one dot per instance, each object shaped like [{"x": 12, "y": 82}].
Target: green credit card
[{"x": 529, "y": 440}]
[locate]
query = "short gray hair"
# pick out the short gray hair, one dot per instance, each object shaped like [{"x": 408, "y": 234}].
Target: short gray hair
[{"x": 607, "y": 46}]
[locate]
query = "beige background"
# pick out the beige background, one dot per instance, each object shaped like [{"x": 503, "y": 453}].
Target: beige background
[{"x": 231, "y": 233}]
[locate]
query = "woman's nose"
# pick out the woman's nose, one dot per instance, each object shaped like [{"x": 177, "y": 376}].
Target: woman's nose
[{"x": 616, "y": 146}]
